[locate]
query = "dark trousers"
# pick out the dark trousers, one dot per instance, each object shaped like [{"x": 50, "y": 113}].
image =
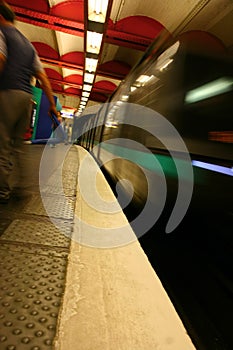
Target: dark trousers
[{"x": 15, "y": 113}]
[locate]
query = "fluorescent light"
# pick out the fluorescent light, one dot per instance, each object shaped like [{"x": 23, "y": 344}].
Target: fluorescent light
[
  {"x": 133, "y": 88},
  {"x": 91, "y": 64},
  {"x": 111, "y": 124},
  {"x": 97, "y": 10},
  {"x": 164, "y": 59},
  {"x": 161, "y": 65},
  {"x": 89, "y": 78},
  {"x": 84, "y": 98},
  {"x": 87, "y": 87},
  {"x": 213, "y": 167},
  {"x": 94, "y": 41},
  {"x": 144, "y": 79},
  {"x": 214, "y": 88},
  {"x": 124, "y": 98},
  {"x": 85, "y": 94},
  {"x": 82, "y": 103}
]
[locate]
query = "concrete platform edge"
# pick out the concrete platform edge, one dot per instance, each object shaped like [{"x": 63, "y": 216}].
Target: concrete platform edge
[{"x": 113, "y": 299}]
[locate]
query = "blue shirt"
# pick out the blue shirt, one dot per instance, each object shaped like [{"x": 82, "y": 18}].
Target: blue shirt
[{"x": 22, "y": 61}]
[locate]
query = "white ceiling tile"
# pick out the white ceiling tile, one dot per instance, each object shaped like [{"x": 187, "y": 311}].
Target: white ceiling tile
[
  {"x": 67, "y": 72},
  {"x": 35, "y": 33},
  {"x": 54, "y": 2},
  {"x": 68, "y": 43}
]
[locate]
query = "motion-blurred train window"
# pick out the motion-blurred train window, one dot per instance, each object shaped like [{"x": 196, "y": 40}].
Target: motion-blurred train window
[
  {"x": 207, "y": 112},
  {"x": 208, "y": 96},
  {"x": 193, "y": 91}
]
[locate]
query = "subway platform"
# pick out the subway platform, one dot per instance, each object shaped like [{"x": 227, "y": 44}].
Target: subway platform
[{"x": 61, "y": 290}]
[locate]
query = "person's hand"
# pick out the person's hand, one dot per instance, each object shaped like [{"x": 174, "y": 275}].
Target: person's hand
[
  {"x": 59, "y": 117},
  {"x": 52, "y": 110}
]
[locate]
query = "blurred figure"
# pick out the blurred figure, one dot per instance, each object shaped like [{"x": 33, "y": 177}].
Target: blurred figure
[{"x": 19, "y": 63}]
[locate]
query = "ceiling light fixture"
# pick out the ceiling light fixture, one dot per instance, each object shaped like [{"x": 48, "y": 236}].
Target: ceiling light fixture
[
  {"x": 94, "y": 41},
  {"x": 84, "y": 98},
  {"x": 89, "y": 78},
  {"x": 87, "y": 87},
  {"x": 97, "y": 10},
  {"x": 96, "y": 13},
  {"x": 91, "y": 64},
  {"x": 85, "y": 94}
]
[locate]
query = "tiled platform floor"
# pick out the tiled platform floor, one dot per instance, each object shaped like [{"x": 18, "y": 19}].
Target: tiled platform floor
[
  {"x": 63, "y": 294},
  {"x": 33, "y": 257}
]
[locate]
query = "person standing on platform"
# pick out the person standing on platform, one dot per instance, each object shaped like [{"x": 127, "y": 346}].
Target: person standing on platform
[{"x": 19, "y": 63}]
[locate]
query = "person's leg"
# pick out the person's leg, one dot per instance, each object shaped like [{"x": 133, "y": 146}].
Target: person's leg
[
  {"x": 14, "y": 108},
  {"x": 5, "y": 144},
  {"x": 23, "y": 121}
]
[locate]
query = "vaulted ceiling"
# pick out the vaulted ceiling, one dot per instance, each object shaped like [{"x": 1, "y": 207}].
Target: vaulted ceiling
[{"x": 58, "y": 30}]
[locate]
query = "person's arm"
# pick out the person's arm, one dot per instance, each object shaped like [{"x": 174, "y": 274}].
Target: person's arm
[
  {"x": 41, "y": 75},
  {"x": 46, "y": 86},
  {"x": 3, "y": 52},
  {"x": 2, "y": 62}
]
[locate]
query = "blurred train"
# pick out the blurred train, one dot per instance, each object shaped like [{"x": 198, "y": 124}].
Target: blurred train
[
  {"x": 177, "y": 92},
  {"x": 164, "y": 140}
]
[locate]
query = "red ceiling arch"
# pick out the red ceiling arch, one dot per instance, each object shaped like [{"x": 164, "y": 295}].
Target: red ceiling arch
[
  {"x": 56, "y": 87},
  {"x": 53, "y": 74},
  {"x": 38, "y": 5},
  {"x": 72, "y": 10},
  {"x": 45, "y": 50},
  {"x": 74, "y": 78},
  {"x": 105, "y": 85},
  {"x": 54, "y": 77},
  {"x": 121, "y": 68},
  {"x": 95, "y": 96},
  {"x": 74, "y": 57},
  {"x": 139, "y": 25},
  {"x": 73, "y": 91},
  {"x": 198, "y": 39}
]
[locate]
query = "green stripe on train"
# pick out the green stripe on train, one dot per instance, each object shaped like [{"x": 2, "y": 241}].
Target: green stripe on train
[{"x": 147, "y": 160}]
